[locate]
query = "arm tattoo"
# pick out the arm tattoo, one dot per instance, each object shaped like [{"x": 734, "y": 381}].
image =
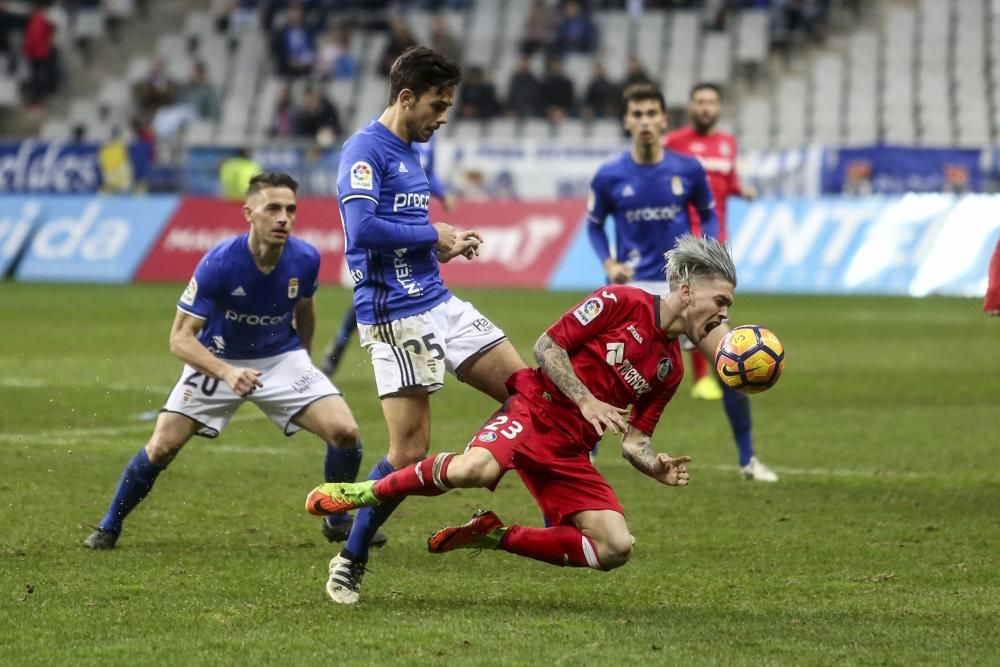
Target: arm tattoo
[
  {"x": 556, "y": 364},
  {"x": 639, "y": 453}
]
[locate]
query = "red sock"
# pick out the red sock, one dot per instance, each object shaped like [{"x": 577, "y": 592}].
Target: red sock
[
  {"x": 699, "y": 365},
  {"x": 992, "y": 301},
  {"x": 424, "y": 478},
  {"x": 558, "y": 545}
]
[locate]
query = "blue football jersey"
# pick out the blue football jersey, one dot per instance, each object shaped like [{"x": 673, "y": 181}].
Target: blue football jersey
[
  {"x": 649, "y": 205},
  {"x": 248, "y": 313},
  {"x": 389, "y": 282}
]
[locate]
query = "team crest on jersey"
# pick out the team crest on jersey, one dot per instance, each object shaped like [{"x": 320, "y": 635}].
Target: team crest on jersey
[
  {"x": 361, "y": 175},
  {"x": 588, "y": 310},
  {"x": 487, "y": 436},
  {"x": 293, "y": 288},
  {"x": 677, "y": 185},
  {"x": 190, "y": 292},
  {"x": 663, "y": 368}
]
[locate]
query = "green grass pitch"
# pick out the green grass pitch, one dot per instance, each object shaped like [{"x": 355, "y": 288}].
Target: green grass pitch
[{"x": 878, "y": 546}]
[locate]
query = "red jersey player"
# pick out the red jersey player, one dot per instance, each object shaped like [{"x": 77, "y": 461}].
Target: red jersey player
[
  {"x": 616, "y": 349},
  {"x": 991, "y": 305},
  {"x": 716, "y": 150}
]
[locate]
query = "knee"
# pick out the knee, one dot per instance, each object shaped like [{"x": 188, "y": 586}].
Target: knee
[
  {"x": 341, "y": 434},
  {"x": 469, "y": 470},
  {"x": 614, "y": 550},
  {"x": 163, "y": 447}
]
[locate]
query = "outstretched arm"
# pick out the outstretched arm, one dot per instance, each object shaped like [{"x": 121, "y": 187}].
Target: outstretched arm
[
  {"x": 555, "y": 363},
  {"x": 661, "y": 467}
]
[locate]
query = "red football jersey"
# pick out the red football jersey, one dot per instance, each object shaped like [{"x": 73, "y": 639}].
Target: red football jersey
[
  {"x": 717, "y": 154},
  {"x": 619, "y": 352}
]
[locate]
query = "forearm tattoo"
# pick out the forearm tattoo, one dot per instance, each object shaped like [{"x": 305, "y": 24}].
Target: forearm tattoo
[
  {"x": 556, "y": 364},
  {"x": 640, "y": 455}
]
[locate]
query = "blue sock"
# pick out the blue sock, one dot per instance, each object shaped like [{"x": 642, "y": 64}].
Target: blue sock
[
  {"x": 341, "y": 465},
  {"x": 136, "y": 482},
  {"x": 737, "y": 407},
  {"x": 369, "y": 519}
]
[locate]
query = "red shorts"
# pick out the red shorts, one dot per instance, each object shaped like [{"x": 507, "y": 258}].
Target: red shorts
[{"x": 554, "y": 466}]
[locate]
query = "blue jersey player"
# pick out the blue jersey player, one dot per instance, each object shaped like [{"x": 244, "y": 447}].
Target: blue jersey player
[
  {"x": 647, "y": 192},
  {"x": 333, "y": 355},
  {"x": 408, "y": 321},
  {"x": 243, "y": 329}
]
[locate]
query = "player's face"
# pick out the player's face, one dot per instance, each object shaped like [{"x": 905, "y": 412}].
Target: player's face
[
  {"x": 708, "y": 306},
  {"x": 427, "y": 113},
  {"x": 704, "y": 109},
  {"x": 646, "y": 121},
  {"x": 271, "y": 213}
]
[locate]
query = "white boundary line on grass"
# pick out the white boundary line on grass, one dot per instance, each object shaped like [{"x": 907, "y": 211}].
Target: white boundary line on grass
[{"x": 36, "y": 383}]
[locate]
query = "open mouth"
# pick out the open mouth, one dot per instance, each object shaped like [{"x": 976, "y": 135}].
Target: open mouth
[{"x": 711, "y": 325}]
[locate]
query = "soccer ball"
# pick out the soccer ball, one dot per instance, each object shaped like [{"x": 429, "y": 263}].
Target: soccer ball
[{"x": 750, "y": 359}]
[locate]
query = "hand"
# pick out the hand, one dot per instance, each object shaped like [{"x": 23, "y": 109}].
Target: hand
[
  {"x": 672, "y": 472},
  {"x": 466, "y": 244},
  {"x": 748, "y": 192},
  {"x": 603, "y": 416},
  {"x": 619, "y": 273},
  {"x": 243, "y": 381},
  {"x": 446, "y": 236}
]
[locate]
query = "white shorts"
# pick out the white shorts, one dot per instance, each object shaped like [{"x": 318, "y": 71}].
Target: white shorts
[
  {"x": 291, "y": 384},
  {"x": 416, "y": 351}
]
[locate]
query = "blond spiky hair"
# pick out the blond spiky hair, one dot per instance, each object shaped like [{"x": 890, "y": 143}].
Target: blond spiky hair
[{"x": 699, "y": 256}]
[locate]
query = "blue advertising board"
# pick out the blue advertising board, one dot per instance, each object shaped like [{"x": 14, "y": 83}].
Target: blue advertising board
[
  {"x": 897, "y": 170},
  {"x": 94, "y": 239}
]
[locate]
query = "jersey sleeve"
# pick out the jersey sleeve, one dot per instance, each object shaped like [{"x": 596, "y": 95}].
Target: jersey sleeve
[
  {"x": 600, "y": 311},
  {"x": 312, "y": 277},
  {"x": 646, "y": 412},
  {"x": 359, "y": 175},
  {"x": 704, "y": 201},
  {"x": 598, "y": 208},
  {"x": 202, "y": 289}
]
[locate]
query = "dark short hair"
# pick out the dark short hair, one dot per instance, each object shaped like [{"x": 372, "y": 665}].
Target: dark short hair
[
  {"x": 271, "y": 179},
  {"x": 640, "y": 92},
  {"x": 704, "y": 85},
  {"x": 421, "y": 69}
]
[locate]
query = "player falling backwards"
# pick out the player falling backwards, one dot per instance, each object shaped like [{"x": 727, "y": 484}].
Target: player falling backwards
[
  {"x": 648, "y": 192},
  {"x": 618, "y": 349},
  {"x": 409, "y": 322},
  {"x": 716, "y": 151},
  {"x": 243, "y": 329}
]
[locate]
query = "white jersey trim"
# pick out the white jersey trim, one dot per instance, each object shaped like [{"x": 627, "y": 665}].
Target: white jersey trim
[
  {"x": 200, "y": 317},
  {"x": 356, "y": 196}
]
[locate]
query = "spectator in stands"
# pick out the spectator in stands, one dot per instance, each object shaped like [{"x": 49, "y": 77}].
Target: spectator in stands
[
  {"x": 143, "y": 135},
  {"x": 283, "y": 122},
  {"x": 156, "y": 90},
  {"x": 334, "y": 59},
  {"x": 477, "y": 98},
  {"x": 116, "y": 166},
  {"x": 316, "y": 113},
  {"x": 524, "y": 91},
  {"x": 10, "y": 22},
  {"x": 293, "y": 45},
  {"x": 235, "y": 173},
  {"x": 40, "y": 51},
  {"x": 601, "y": 98},
  {"x": 199, "y": 94},
  {"x": 576, "y": 33},
  {"x": 635, "y": 73},
  {"x": 539, "y": 29},
  {"x": 400, "y": 39},
  {"x": 443, "y": 41},
  {"x": 558, "y": 100}
]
